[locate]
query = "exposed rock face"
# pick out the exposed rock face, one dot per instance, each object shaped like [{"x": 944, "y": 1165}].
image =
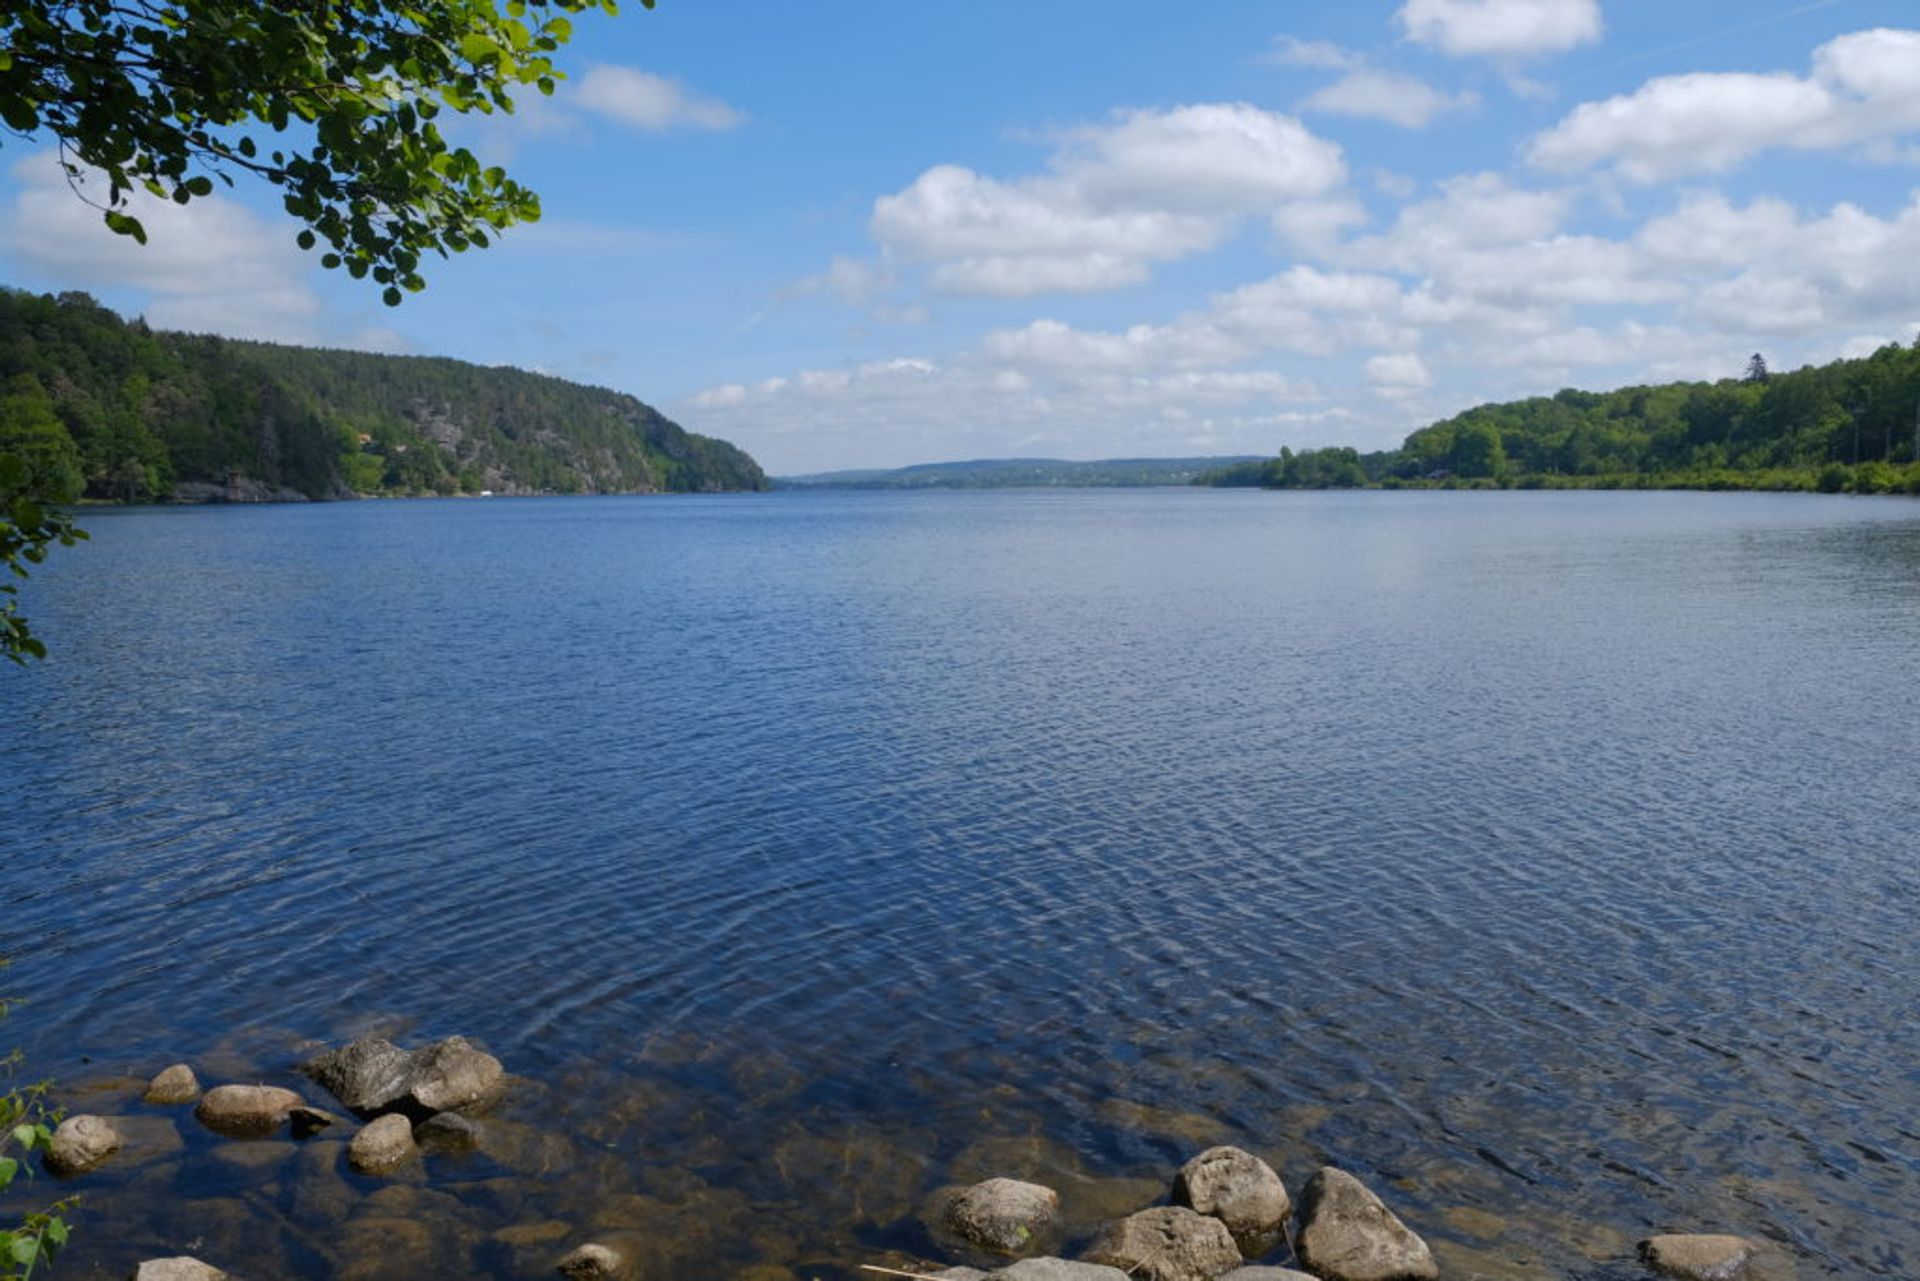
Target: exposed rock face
[
  {"x": 1001, "y": 1216},
  {"x": 176, "y": 1084},
  {"x": 1170, "y": 1243},
  {"x": 1237, "y": 1188},
  {"x": 1347, "y": 1234},
  {"x": 80, "y": 1143},
  {"x": 1699, "y": 1257},
  {"x": 246, "y": 1111},
  {"x": 373, "y": 1075},
  {"x": 596, "y": 1261},
  {"x": 307, "y": 1122},
  {"x": 180, "y": 1269},
  {"x": 238, "y": 489},
  {"x": 1054, "y": 1270},
  {"x": 383, "y": 1144}
]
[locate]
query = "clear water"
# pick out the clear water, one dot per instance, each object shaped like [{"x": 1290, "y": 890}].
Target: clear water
[{"x": 1548, "y": 860}]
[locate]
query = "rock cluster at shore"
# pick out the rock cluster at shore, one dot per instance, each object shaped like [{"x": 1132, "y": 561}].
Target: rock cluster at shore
[{"x": 1230, "y": 1217}]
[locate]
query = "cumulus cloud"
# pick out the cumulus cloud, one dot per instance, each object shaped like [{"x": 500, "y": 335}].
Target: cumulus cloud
[
  {"x": 1507, "y": 29},
  {"x": 654, "y": 103},
  {"x": 1147, "y": 187},
  {"x": 1863, "y": 88},
  {"x": 211, "y": 266},
  {"x": 1389, "y": 96}
]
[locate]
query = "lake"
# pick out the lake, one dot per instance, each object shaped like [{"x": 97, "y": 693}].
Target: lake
[{"x": 1548, "y": 860}]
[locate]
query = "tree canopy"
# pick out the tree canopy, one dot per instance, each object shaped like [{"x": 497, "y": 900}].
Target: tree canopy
[
  {"x": 1851, "y": 425},
  {"x": 335, "y": 102}
]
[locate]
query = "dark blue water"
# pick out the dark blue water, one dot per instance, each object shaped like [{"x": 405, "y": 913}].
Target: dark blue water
[{"x": 1549, "y": 860}]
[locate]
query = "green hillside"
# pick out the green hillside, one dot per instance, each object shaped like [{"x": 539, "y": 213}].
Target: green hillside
[
  {"x": 128, "y": 413},
  {"x": 1849, "y": 426}
]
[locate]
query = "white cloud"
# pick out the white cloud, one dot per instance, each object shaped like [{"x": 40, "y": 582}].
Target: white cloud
[
  {"x": 1149, "y": 187},
  {"x": 1501, "y": 28},
  {"x": 1289, "y": 51},
  {"x": 1864, "y": 88},
  {"x": 1390, "y": 96},
  {"x": 646, "y": 101},
  {"x": 210, "y": 266},
  {"x": 1404, "y": 370}
]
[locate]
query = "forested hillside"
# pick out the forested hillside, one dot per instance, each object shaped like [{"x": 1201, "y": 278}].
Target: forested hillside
[
  {"x": 1852, "y": 425},
  {"x": 123, "y": 412}
]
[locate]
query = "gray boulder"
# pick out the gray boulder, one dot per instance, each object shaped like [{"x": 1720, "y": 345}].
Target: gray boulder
[
  {"x": 1237, "y": 1188},
  {"x": 81, "y": 1143},
  {"x": 1348, "y": 1234},
  {"x": 246, "y": 1111},
  {"x": 1000, "y": 1216},
  {"x": 384, "y": 1143},
  {"x": 1055, "y": 1270},
  {"x": 373, "y": 1075},
  {"x": 176, "y": 1084},
  {"x": 182, "y": 1268},
  {"x": 1699, "y": 1257},
  {"x": 1266, "y": 1274},
  {"x": 1170, "y": 1243}
]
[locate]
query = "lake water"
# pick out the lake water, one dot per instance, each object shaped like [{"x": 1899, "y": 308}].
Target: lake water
[{"x": 1547, "y": 860}]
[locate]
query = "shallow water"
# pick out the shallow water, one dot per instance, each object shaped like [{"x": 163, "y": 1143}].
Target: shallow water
[{"x": 1548, "y": 860}]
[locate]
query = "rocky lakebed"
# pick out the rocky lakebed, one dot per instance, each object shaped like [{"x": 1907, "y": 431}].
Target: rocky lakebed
[{"x": 375, "y": 1161}]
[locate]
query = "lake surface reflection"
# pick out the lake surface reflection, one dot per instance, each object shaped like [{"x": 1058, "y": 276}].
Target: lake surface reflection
[{"x": 1547, "y": 860}]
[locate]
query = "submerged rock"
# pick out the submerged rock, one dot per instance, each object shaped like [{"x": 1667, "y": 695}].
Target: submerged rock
[
  {"x": 80, "y": 1143},
  {"x": 176, "y": 1084},
  {"x": 447, "y": 1133},
  {"x": 597, "y": 1261},
  {"x": 183, "y": 1268},
  {"x": 1237, "y": 1188},
  {"x": 1170, "y": 1243},
  {"x": 1699, "y": 1257},
  {"x": 1348, "y": 1234},
  {"x": 383, "y": 1144},
  {"x": 1053, "y": 1270},
  {"x": 1000, "y": 1216},
  {"x": 307, "y": 1122},
  {"x": 373, "y": 1075},
  {"x": 246, "y": 1111}
]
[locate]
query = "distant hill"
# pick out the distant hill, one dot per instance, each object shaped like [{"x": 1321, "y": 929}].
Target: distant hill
[
  {"x": 129, "y": 413},
  {"x": 1021, "y": 473},
  {"x": 1849, "y": 426}
]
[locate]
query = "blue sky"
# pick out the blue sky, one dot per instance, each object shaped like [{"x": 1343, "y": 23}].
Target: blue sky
[{"x": 875, "y": 233}]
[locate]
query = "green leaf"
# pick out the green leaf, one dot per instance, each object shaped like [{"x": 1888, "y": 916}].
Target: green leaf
[
  {"x": 8, "y": 1167},
  {"x": 125, "y": 225},
  {"x": 57, "y": 1232}
]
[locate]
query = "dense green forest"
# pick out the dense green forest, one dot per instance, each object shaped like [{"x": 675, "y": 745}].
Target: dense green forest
[
  {"x": 1851, "y": 426},
  {"x": 117, "y": 411},
  {"x": 1020, "y": 473}
]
